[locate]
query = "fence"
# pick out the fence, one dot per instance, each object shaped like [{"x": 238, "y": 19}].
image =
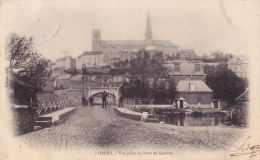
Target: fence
[
  {"x": 139, "y": 104},
  {"x": 46, "y": 106}
]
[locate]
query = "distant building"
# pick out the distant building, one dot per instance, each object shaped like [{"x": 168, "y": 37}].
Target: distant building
[
  {"x": 128, "y": 54},
  {"x": 188, "y": 54},
  {"x": 239, "y": 65},
  {"x": 211, "y": 64},
  {"x": 186, "y": 70},
  {"x": 66, "y": 62},
  {"x": 113, "y": 48},
  {"x": 76, "y": 82},
  {"x": 62, "y": 82},
  {"x": 194, "y": 92},
  {"x": 112, "y": 61},
  {"x": 90, "y": 59},
  {"x": 53, "y": 65}
]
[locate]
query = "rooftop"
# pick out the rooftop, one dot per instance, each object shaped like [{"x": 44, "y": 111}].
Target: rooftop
[
  {"x": 138, "y": 42},
  {"x": 243, "y": 59},
  {"x": 184, "y": 86},
  {"x": 17, "y": 79},
  {"x": 64, "y": 58},
  {"x": 130, "y": 50},
  {"x": 92, "y": 52},
  {"x": 187, "y": 50}
]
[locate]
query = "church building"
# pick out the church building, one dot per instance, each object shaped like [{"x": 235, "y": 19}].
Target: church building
[{"x": 112, "y": 49}]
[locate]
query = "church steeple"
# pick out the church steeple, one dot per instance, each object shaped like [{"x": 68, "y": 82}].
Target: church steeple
[{"x": 148, "y": 30}]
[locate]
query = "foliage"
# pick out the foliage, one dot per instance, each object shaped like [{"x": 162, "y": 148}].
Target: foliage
[
  {"x": 224, "y": 82},
  {"x": 135, "y": 89},
  {"x": 25, "y": 61},
  {"x": 149, "y": 79},
  {"x": 218, "y": 57},
  {"x": 171, "y": 57},
  {"x": 71, "y": 71}
]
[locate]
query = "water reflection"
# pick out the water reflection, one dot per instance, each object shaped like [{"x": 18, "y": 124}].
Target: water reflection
[{"x": 196, "y": 121}]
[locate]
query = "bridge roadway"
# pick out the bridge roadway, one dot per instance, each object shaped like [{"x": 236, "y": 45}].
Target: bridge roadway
[{"x": 96, "y": 127}]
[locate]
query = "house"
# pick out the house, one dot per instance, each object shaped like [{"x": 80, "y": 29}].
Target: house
[
  {"x": 90, "y": 59},
  {"x": 193, "y": 93},
  {"x": 66, "y": 62},
  {"x": 186, "y": 70},
  {"x": 239, "y": 65},
  {"x": 77, "y": 82}
]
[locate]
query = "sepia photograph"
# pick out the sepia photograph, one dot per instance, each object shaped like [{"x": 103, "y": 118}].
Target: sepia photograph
[{"x": 130, "y": 79}]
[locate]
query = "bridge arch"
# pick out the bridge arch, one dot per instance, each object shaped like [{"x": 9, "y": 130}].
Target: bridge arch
[
  {"x": 100, "y": 93},
  {"x": 112, "y": 92}
]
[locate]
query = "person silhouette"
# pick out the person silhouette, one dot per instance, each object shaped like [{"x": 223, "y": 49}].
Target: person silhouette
[
  {"x": 83, "y": 99},
  {"x": 91, "y": 99},
  {"x": 104, "y": 99}
]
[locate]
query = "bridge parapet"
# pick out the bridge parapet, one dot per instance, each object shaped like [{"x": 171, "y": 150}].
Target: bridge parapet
[
  {"x": 49, "y": 105},
  {"x": 136, "y": 104}
]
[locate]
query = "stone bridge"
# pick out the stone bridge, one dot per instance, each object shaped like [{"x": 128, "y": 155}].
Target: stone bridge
[
  {"x": 76, "y": 93},
  {"x": 113, "y": 91}
]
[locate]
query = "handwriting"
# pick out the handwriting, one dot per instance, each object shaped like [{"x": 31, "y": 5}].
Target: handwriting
[{"x": 245, "y": 149}]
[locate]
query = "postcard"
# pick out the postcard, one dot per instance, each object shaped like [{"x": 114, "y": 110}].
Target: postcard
[{"x": 130, "y": 80}]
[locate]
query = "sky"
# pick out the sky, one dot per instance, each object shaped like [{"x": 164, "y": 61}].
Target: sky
[{"x": 61, "y": 28}]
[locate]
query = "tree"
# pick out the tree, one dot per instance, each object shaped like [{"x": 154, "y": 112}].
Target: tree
[
  {"x": 71, "y": 71},
  {"x": 148, "y": 78},
  {"x": 25, "y": 61},
  {"x": 224, "y": 82}
]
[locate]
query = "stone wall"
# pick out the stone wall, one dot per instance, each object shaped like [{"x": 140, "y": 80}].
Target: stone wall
[
  {"x": 46, "y": 95},
  {"x": 62, "y": 83}
]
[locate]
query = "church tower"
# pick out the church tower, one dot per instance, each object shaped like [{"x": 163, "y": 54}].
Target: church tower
[
  {"x": 96, "y": 40},
  {"x": 148, "y": 30}
]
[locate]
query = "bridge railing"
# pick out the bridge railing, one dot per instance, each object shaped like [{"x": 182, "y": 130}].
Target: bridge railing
[
  {"x": 137, "y": 104},
  {"x": 49, "y": 105}
]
